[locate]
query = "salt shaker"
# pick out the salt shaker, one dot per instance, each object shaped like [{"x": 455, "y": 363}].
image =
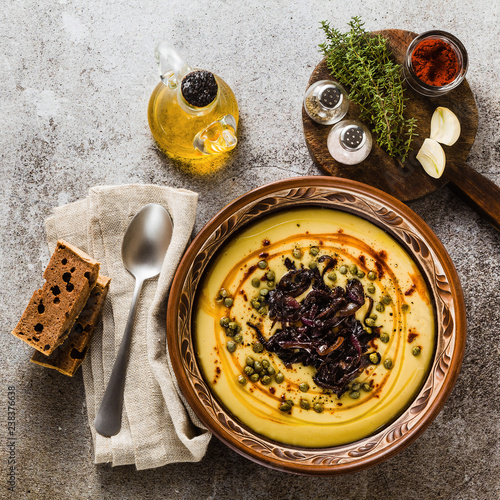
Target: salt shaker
[
  {"x": 349, "y": 142},
  {"x": 326, "y": 102}
]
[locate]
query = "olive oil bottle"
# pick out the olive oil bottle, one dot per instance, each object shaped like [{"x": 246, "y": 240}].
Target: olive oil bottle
[{"x": 192, "y": 113}]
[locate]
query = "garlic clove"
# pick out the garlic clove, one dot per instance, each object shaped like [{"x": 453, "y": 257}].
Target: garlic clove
[
  {"x": 445, "y": 127},
  {"x": 432, "y": 158}
]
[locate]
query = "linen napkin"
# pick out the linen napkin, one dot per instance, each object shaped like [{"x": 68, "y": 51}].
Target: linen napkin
[{"x": 158, "y": 426}]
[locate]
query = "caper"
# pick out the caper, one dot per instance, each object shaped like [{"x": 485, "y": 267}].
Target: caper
[
  {"x": 263, "y": 373},
  {"x": 371, "y": 289},
  {"x": 416, "y": 350},
  {"x": 279, "y": 377},
  {"x": 262, "y": 264},
  {"x": 366, "y": 387},
  {"x": 388, "y": 363},
  {"x": 228, "y": 302},
  {"x": 249, "y": 370},
  {"x": 264, "y": 291},
  {"x": 266, "y": 364},
  {"x": 285, "y": 407},
  {"x": 386, "y": 299},
  {"x": 238, "y": 338},
  {"x": 313, "y": 264},
  {"x": 368, "y": 330},
  {"x": 257, "y": 366},
  {"x": 297, "y": 253},
  {"x": 355, "y": 386},
  {"x": 242, "y": 380},
  {"x": 354, "y": 394},
  {"x": 314, "y": 250},
  {"x": 255, "y": 303},
  {"x": 318, "y": 408},
  {"x": 224, "y": 321},
  {"x": 249, "y": 361},
  {"x": 270, "y": 275},
  {"x": 380, "y": 307},
  {"x": 231, "y": 346},
  {"x": 343, "y": 270},
  {"x": 304, "y": 404},
  {"x": 304, "y": 387},
  {"x": 270, "y": 284},
  {"x": 262, "y": 311},
  {"x": 405, "y": 307},
  {"x": 372, "y": 275},
  {"x": 223, "y": 293},
  {"x": 360, "y": 274},
  {"x": 265, "y": 380},
  {"x": 374, "y": 358},
  {"x": 257, "y": 347},
  {"x": 384, "y": 337},
  {"x": 373, "y": 316},
  {"x": 370, "y": 322},
  {"x": 353, "y": 268},
  {"x": 233, "y": 325},
  {"x": 256, "y": 282},
  {"x": 254, "y": 377},
  {"x": 332, "y": 276},
  {"x": 271, "y": 370}
]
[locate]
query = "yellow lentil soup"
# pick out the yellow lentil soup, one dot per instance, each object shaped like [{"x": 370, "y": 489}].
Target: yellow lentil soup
[{"x": 283, "y": 402}]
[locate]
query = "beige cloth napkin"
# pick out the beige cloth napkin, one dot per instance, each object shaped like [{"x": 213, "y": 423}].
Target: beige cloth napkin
[{"x": 158, "y": 426}]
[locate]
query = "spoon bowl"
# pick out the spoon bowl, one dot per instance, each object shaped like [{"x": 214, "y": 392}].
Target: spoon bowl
[
  {"x": 144, "y": 247},
  {"x": 146, "y": 241}
]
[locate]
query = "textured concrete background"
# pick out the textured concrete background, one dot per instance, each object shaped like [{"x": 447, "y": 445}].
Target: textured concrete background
[{"x": 76, "y": 76}]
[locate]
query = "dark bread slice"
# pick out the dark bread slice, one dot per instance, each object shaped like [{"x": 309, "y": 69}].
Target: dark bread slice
[
  {"x": 52, "y": 310},
  {"x": 68, "y": 357}
]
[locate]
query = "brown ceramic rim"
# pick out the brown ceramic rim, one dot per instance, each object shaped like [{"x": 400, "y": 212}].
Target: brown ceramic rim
[{"x": 414, "y": 235}]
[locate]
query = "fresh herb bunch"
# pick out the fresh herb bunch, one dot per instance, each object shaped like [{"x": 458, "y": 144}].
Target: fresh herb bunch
[{"x": 363, "y": 63}]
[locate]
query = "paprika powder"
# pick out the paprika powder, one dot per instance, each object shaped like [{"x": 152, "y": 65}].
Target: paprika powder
[{"x": 435, "y": 62}]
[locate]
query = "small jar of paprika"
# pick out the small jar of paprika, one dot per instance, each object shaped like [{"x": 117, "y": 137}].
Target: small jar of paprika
[{"x": 435, "y": 63}]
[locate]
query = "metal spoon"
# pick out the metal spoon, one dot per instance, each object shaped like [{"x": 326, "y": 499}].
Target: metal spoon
[{"x": 144, "y": 247}]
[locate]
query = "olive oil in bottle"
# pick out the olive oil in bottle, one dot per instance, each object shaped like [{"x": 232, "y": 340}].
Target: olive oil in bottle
[{"x": 192, "y": 113}]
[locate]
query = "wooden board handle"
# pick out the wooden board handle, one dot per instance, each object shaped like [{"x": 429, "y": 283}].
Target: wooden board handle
[{"x": 478, "y": 191}]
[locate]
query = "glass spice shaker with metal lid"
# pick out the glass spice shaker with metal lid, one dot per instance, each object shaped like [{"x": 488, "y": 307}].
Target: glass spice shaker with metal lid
[
  {"x": 326, "y": 102},
  {"x": 192, "y": 113},
  {"x": 349, "y": 142}
]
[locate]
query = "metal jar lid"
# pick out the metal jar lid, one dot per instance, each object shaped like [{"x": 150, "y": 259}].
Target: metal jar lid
[
  {"x": 330, "y": 97},
  {"x": 352, "y": 137}
]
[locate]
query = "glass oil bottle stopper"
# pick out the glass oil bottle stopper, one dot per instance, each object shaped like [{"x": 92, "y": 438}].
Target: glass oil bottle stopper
[
  {"x": 326, "y": 102},
  {"x": 349, "y": 142}
]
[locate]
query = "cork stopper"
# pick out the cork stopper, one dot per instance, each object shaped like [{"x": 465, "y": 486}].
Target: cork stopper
[{"x": 199, "y": 88}]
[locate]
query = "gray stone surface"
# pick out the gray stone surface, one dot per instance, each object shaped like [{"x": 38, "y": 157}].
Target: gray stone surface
[{"x": 75, "y": 81}]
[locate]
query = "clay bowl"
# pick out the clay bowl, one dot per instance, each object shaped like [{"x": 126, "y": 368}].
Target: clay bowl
[{"x": 418, "y": 240}]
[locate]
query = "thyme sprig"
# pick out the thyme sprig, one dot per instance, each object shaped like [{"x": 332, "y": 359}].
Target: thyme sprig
[{"x": 363, "y": 63}]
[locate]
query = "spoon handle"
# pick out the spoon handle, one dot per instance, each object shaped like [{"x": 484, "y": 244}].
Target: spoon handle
[{"x": 109, "y": 417}]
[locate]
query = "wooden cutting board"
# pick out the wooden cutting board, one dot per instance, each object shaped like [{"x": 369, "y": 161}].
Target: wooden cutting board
[
  {"x": 409, "y": 181},
  {"x": 406, "y": 181}
]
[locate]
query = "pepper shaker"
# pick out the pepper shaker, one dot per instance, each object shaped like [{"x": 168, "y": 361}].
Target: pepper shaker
[
  {"x": 349, "y": 142},
  {"x": 326, "y": 102}
]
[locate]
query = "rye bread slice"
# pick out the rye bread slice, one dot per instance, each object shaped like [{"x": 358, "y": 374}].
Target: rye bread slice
[
  {"x": 68, "y": 357},
  {"x": 69, "y": 277}
]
